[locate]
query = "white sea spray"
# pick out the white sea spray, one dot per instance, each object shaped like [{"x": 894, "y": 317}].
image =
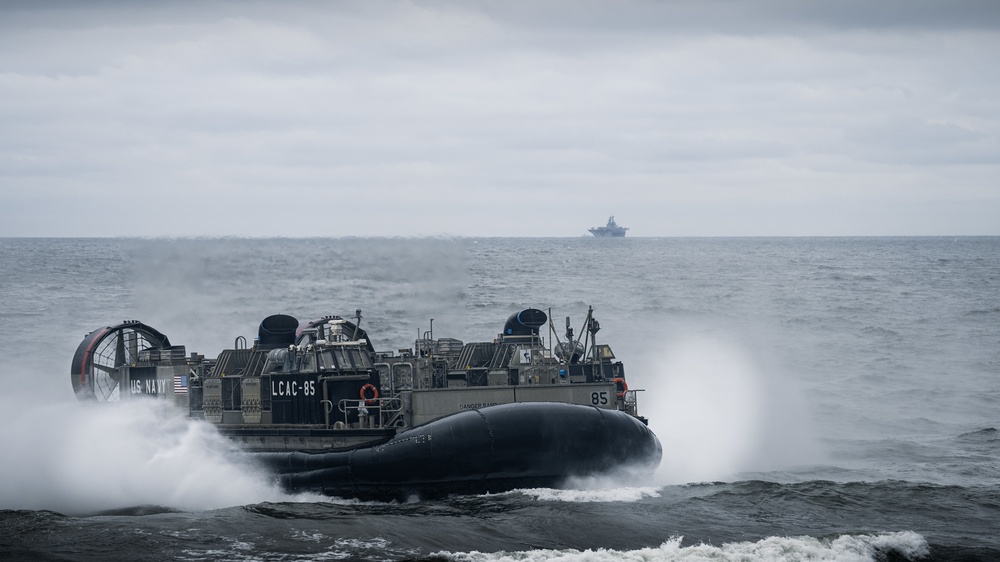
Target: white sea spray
[{"x": 844, "y": 548}]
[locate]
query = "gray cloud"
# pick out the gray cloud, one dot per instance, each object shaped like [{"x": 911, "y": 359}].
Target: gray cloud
[{"x": 385, "y": 118}]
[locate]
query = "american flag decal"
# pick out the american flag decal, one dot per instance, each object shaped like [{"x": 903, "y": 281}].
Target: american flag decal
[{"x": 180, "y": 384}]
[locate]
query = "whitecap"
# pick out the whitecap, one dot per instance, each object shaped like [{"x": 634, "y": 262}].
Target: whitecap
[
  {"x": 621, "y": 495},
  {"x": 844, "y": 548}
]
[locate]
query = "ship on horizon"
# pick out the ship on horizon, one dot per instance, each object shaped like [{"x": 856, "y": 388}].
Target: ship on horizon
[{"x": 612, "y": 230}]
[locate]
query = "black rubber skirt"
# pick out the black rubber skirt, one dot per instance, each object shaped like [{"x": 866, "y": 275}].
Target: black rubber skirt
[{"x": 493, "y": 449}]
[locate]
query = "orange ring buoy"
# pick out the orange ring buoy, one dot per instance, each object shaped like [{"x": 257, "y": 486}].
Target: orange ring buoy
[
  {"x": 374, "y": 397},
  {"x": 624, "y": 386}
]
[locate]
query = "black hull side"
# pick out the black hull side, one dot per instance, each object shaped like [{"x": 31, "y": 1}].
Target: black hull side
[{"x": 492, "y": 449}]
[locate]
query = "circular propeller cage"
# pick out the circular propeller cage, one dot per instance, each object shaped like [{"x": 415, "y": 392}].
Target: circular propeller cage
[{"x": 96, "y": 369}]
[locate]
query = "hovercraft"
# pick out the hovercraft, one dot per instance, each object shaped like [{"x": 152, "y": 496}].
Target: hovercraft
[{"x": 326, "y": 412}]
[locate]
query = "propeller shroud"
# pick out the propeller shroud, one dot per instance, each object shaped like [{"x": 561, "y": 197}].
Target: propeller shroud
[{"x": 96, "y": 368}]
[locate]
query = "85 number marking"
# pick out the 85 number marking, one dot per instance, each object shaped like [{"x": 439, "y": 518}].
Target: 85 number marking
[{"x": 598, "y": 398}]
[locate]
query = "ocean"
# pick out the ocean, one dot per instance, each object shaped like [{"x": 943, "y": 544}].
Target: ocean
[{"x": 816, "y": 398}]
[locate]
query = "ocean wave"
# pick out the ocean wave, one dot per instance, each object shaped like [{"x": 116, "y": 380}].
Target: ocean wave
[
  {"x": 981, "y": 311},
  {"x": 621, "y": 495},
  {"x": 987, "y": 435},
  {"x": 879, "y": 331},
  {"x": 902, "y": 545}
]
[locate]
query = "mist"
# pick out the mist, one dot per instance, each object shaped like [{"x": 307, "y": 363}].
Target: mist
[
  {"x": 722, "y": 410},
  {"x": 204, "y": 293},
  {"x": 77, "y": 458}
]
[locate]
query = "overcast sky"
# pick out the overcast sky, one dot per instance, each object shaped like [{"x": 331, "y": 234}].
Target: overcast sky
[{"x": 507, "y": 118}]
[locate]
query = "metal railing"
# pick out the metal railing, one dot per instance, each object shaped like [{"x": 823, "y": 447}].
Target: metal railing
[{"x": 384, "y": 412}]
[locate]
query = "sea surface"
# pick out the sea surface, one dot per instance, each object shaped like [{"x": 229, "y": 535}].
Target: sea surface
[{"x": 817, "y": 398}]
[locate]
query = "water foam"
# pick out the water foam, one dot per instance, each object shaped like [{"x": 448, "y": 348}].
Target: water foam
[
  {"x": 83, "y": 458},
  {"x": 845, "y": 548},
  {"x": 621, "y": 495}
]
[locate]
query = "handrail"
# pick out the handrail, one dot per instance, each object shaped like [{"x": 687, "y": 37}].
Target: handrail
[{"x": 390, "y": 411}]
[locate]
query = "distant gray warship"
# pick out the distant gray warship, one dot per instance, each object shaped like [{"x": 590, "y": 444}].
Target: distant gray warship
[{"x": 612, "y": 230}]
